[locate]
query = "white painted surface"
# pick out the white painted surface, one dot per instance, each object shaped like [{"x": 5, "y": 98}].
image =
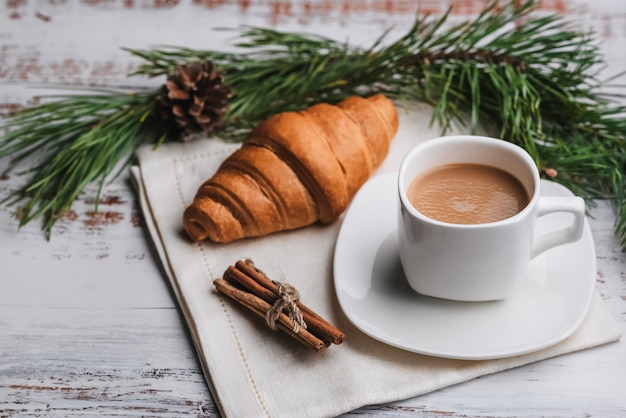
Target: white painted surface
[{"x": 88, "y": 325}]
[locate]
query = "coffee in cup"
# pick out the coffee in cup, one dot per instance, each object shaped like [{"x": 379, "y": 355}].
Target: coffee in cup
[
  {"x": 450, "y": 249},
  {"x": 467, "y": 194}
]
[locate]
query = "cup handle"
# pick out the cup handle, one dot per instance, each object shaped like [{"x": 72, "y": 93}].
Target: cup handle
[{"x": 551, "y": 204}]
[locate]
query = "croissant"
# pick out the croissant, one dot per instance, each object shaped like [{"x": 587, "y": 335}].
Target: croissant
[{"x": 294, "y": 169}]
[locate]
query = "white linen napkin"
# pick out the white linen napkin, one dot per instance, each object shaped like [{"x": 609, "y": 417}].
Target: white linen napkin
[{"x": 255, "y": 372}]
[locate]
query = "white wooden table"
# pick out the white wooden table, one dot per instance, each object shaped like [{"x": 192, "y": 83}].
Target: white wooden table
[{"x": 88, "y": 324}]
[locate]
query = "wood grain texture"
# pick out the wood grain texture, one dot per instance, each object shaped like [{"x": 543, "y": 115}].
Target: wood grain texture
[{"x": 88, "y": 323}]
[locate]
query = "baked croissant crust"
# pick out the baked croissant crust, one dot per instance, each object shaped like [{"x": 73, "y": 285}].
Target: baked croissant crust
[{"x": 294, "y": 169}]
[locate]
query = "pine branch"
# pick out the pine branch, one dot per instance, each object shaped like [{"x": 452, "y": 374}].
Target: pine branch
[
  {"x": 74, "y": 141},
  {"x": 532, "y": 78}
]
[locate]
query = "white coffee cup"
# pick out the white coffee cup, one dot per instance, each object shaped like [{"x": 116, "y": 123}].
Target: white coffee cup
[{"x": 476, "y": 262}]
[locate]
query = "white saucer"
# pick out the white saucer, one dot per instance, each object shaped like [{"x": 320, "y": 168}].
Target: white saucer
[{"x": 547, "y": 307}]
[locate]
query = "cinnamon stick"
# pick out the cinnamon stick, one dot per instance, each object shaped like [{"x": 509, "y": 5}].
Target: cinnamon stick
[
  {"x": 315, "y": 323},
  {"x": 260, "y": 307},
  {"x": 234, "y": 275}
]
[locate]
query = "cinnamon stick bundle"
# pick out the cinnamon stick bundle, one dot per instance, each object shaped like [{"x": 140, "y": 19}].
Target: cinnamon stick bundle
[{"x": 250, "y": 287}]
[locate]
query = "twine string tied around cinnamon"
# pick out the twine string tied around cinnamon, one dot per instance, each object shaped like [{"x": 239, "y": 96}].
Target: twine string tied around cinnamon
[{"x": 288, "y": 296}]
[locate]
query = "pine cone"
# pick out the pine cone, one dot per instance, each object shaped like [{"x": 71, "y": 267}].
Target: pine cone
[{"x": 196, "y": 98}]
